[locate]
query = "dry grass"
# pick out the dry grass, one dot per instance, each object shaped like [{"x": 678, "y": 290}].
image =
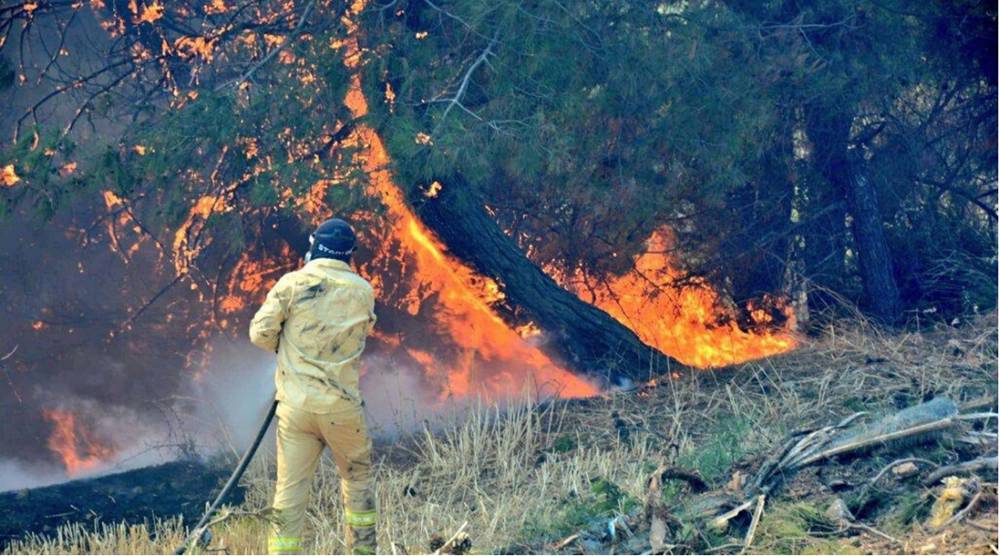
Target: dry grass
[
  {"x": 525, "y": 476},
  {"x": 484, "y": 471}
]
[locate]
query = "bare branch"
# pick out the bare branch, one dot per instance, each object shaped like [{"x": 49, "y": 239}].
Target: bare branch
[
  {"x": 457, "y": 99},
  {"x": 274, "y": 51}
]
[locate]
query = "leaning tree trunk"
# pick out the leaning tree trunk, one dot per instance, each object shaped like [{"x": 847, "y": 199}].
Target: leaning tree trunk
[{"x": 588, "y": 339}]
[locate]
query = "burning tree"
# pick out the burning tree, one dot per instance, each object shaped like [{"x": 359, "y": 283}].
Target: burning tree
[{"x": 552, "y": 189}]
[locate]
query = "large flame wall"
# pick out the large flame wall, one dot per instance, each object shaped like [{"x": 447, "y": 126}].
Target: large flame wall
[{"x": 490, "y": 358}]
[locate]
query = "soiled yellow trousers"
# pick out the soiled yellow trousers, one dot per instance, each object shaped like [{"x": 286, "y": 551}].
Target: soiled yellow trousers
[{"x": 302, "y": 435}]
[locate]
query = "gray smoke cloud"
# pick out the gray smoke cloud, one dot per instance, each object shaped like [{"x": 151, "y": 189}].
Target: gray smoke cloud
[{"x": 221, "y": 409}]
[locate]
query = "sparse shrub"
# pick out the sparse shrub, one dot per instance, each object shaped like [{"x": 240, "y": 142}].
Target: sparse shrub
[
  {"x": 719, "y": 449},
  {"x": 563, "y": 444}
]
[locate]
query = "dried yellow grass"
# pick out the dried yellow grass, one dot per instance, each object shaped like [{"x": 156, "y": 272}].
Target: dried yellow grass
[{"x": 498, "y": 470}]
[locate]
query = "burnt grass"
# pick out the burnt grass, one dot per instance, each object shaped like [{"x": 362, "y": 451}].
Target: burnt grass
[{"x": 179, "y": 488}]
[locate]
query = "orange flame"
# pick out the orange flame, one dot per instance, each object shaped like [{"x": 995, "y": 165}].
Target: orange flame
[
  {"x": 186, "y": 245},
  {"x": 77, "y": 449},
  {"x": 8, "y": 176},
  {"x": 687, "y": 322}
]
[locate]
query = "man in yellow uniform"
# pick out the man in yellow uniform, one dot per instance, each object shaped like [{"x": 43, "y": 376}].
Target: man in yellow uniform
[{"x": 317, "y": 319}]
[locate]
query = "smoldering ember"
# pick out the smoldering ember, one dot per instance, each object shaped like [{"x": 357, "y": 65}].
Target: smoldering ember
[{"x": 544, "y": 277}]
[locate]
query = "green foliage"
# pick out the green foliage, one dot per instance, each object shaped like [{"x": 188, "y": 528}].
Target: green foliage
[
  {"x": 248, "y": 146},
  {"x": 719, "y": 449},
  {"x": 610, "y": 498},
  {"x": 912, "y": 508},
  {"x": 38, "y": 158},
  {"x": 793, "y": 528},
  {"x": 563, "y": 444},
  {"x": 587, "y": 125},
  {"x": 831, "y": 546},
  {"x": 856, "y": 404},
  {"x": 604, "y": 500}
]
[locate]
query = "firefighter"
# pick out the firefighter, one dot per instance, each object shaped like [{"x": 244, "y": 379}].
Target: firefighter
[{"x": 316, "y": 319}]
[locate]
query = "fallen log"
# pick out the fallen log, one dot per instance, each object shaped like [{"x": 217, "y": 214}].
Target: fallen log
[
  {"x": 585, "y": 337},
  {"x": 916, "y": 424},
  {"x": 913, "y": 424}
]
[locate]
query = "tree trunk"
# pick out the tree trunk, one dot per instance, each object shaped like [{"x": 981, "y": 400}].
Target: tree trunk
[
  {"x": 829, "y": 131},
  {"x": 583, "y": 336},
  {"x": 586, "y": 338},
  {"x": 874, "y": 259}
]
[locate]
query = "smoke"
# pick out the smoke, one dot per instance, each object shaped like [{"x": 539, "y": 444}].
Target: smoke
[
  {"x": 220, "y": 410},
  {"x": 226, "y": 402},
  {"x": 399, "y": 400},
  {"x": 395, "y": 396},
  {"x": 138, "y": 439},
  {"x": 15, "y": 475}
]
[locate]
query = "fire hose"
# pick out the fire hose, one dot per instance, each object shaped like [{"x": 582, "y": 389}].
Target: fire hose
[{"x": 198, "y": 530}]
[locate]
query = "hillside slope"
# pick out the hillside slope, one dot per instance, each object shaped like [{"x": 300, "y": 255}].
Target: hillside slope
[{"x": 561, "y": 476}]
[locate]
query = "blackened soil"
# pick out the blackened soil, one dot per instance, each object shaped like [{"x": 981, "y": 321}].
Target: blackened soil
[{"x": 137, "y": 496}]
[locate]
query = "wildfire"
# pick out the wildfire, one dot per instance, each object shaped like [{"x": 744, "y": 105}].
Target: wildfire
[
  {"x": 686, "y": 322},
  {"x": 493, "y": 359},
  {"x": 252, "y": 276},
  {"x": 185, "y": 248},
  {"x": 683, "y": 322},
  {"x": 120, "y": 222},
  {"x": 75, "y": 446},
  {"x": 467, "y": 349}
]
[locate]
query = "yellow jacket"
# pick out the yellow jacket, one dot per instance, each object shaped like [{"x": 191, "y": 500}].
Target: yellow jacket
[{"x": 317, "y": 319}]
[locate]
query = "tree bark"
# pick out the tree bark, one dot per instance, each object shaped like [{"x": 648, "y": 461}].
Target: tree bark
[
  {"x": 829, "y": 131},
  {"x": 874, "y": 259},
  {"x": 586, "y": 338}
]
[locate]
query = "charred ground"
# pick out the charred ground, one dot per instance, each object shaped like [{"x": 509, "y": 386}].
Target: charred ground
[{"x": 144, "y": 495}]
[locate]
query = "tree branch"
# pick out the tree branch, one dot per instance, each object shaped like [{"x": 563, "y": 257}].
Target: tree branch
[
  {"x": 457, "y": 99},
  {"x": 274, "y": 51}
]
